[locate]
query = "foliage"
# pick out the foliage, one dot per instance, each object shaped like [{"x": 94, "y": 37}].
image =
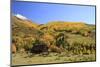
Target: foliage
[{"x": 71, "y": 37}]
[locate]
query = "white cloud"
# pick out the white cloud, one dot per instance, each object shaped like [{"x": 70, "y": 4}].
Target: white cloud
[{"x": 21, "y": 16}]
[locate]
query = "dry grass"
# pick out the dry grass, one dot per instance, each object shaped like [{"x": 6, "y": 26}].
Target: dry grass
[
  {"x": 71, "y": 41},
  {"x": 24, "y": 59}
]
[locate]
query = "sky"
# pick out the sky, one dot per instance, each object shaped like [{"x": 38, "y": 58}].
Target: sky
[{"x": 43, "y": 12}]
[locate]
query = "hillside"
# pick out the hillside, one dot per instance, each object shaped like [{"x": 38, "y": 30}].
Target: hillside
[
  {"x": 24, "y": 32},
  {"x": 24, "y": 27},
  {"x": 66, "y": 41},
  {"x": 29, "y": 27},
  {"x": 69, "y": 27}
]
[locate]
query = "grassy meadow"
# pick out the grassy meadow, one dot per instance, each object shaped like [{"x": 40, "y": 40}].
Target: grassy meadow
[{"x": 66, "y": 42}]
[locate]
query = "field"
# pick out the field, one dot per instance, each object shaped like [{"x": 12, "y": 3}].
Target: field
[
  {"x": 54, "y": 42},
  {"x": 24, "y": 59}
]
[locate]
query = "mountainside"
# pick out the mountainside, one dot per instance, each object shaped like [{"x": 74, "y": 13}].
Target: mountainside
[
  {"x": 28, "y": 27},
  {"x": 26, "y": 33},
  {"x": 56, "y": 41},
  {"x": 69, "y": 27},
  {"x": 24, "y": 27}
]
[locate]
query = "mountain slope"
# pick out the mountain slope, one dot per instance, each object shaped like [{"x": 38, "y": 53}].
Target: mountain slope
[
  {"x": 24, "y": 27},
  {"x": 61, "y": 26},
  {"x": 57, "y": 33}
]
